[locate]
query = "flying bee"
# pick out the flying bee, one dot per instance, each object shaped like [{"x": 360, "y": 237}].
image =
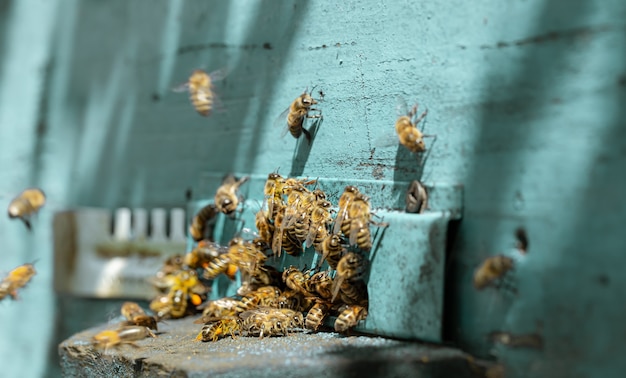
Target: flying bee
[
  {"x": 124, "y": 335},
  {"x": 491, "y": 269},
  {"x": 331, "y": 249},
  {"x": 226, "y": 197},
  {"x": 316, "y": 315},
  {"x": 219, "y": 329},
  {"x": 349, "y": 268},
  {"x": 201, "y": 222},
  {"x": 27, "y": 204},
  {"x": 201, "y": 90},
  {"x": 295, "y": 115},
  {"x": 416, "y": 198},
  {"x": 16, "y": 279},
  {"x": 349, "y": 316},
  {"x": 135, "y": 315},
  {"x": 342, "y": 223}
]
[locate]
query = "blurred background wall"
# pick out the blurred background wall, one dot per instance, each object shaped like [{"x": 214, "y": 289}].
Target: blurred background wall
[{"x": 526, "y": 99}]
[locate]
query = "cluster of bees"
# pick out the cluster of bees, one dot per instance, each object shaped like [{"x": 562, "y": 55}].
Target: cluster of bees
[
  {"x": 293, "y": 219},
  {"x": 22, "y": 207}
]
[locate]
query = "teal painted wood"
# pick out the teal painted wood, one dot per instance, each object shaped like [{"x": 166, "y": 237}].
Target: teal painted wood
[{"x": 526, "y": 99}]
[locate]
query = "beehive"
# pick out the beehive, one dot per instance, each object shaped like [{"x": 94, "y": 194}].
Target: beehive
[{"x": 525, "y": 100}]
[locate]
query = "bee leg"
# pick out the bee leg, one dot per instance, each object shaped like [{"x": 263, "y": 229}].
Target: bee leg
[{"x": 27, "y": 223}]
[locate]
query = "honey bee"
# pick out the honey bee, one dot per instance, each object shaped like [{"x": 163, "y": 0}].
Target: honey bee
[
  {"x": 316, "y": 315},
  {"x": 406, "y": 127},
  {"x": 220, "y": 308},
  {"x": 170, "y": 266},
  {"x": 491, "y": 269},
  {"x": 291, "y": 299},
  {"x": 124, "y": 335},
  {"x": 202, "y": 254},
  {"x": 295, "y": 115},
  {"x": 349, "y": 316},
  {"x": 360, "y": 218},
  {"x": 265, "y": 321},
  {"x": 184, "y": 288},
  {"x": 273, "y": 192},
  {"x": 321, "y": 283},
  {"x": 135, "y": 315},
  {"x": 26, "y": 204},
  {"x": 342, "y": 223},
  {"x": 416, "y": 198},
  {"x": 201, "y": 92},
  {"x": 226, "y": 198},
  {"x": 353, "y": 292},
  {"x": 320, "y": 219},
  {"x": 264, "y": 227},
  {"x": 296, "y": 280},
  {"x": 16, "y": 279},
  {"x": 349, "y": 268},
  {"x": 266, "y": 296},
  {"x": 220, "y": 328},
  {"x": 331, "y": 250},
  {"x": 200, "y": 222}
]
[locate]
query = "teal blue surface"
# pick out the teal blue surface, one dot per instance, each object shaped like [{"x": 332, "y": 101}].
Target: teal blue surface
[{"x": 526, "y": 99}]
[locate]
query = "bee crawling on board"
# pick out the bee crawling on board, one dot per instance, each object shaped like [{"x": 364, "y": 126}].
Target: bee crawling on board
[
  {"x": 27, "y": 204},
  {"x": 226, "y": 197},
  {"x": 220, "y": 328},
  {"x": 16, "y": 279},
  {"x": 201, "y": 90},
  {"x": 407, "y": 132},
  {"x": 124, "y": 335},
  {"x": 349, "y": 316},
  {"x": 295, "y": 115},
  {"x": 135, "y": 315},
  {"x": 492, "y": 269}
]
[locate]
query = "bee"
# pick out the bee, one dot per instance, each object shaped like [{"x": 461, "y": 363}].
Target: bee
[
  {"x": 26, "y": 204},
  {"x": 296, "y": 280},
  {"x": 406, "y": 127},
  {"x": 321, "y": 283},
  {"x": 201, "y": 92},
  {"x": 219, "y": 329},
  {"x": 353, "y": 292},
  {"x": 331, "y": 250},
  {"x": 360, "y": 219},
  {"x": 184, "y": 288},
  {"x": 273, "y": 192},
  {"x": 124, "y": 335},
  {"x": 265, "y": 321},
  {"x": 316, "y": 315},
  {"x": 220, "y": 308},
  {"x": 135, "y": 315},
  {"x": 416, "y": 198},
  {"x": 349, "y": 268},
  {"x": 264, "y": 227},
  {"x": 266, "y": 296},
  {"x": 295, "y": 115},
  {"x": 349, "y": 316},
  {"x": 491, "y": 269},
  {"x": 320, "y": 219},
  {"x": 223, "y": 263},
  {"x": 171, "y": 266},
  {"x": 16, "y": 279},
  {"x": 291, "y": 299},
  {"x": 226, "y": 198},
  {"x": 202, "y": 255},
  {"x": 342, "y": 223},
  {"x": 200, "y": 222}
]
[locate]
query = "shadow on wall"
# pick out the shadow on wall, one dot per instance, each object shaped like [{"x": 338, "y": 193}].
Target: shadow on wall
[
  {"x": 139, "y": 144},
  {"x": 551, "y": 130},
  {"x": 134, "y": 143}
]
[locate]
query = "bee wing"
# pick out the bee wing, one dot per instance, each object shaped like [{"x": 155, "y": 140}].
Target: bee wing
[
  {"x": 401, "y": 107},
  {"x": 310, "y": 237},
  {"x": 281, "y": 121},
  {"x": 219, "y": 74},
  {"x": 341, "y": 216},
  {"x": 182, "y": 87}
]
